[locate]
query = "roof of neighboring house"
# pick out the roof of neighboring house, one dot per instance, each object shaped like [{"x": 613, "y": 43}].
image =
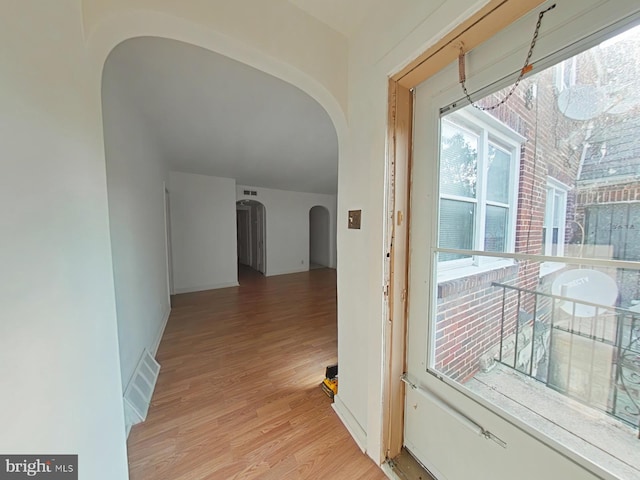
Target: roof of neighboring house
[{"x": 614, "y": 149}]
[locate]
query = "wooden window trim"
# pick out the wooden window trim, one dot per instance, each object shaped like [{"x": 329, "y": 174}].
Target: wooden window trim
[{"x": 484, "y": 24}]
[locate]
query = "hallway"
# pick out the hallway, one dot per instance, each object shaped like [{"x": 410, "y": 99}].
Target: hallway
[{"x": 238, "y": 395}]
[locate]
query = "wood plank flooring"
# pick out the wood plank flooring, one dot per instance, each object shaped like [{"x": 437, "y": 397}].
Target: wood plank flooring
[{"x": 238, "y": 394}]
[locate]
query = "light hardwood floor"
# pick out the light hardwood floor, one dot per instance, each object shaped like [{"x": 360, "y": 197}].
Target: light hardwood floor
[{"x": 238, "y": 394}]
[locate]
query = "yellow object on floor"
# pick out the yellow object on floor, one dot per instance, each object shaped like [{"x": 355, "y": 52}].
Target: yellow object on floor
[
  {"x": 330, "y": 383},
  {"x": 330, "y": 386}
]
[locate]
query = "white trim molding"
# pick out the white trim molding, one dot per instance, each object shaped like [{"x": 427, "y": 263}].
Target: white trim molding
[{"x": 350, "y": 422}]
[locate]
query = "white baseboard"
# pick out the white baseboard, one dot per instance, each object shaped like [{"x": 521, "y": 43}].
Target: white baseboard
[
  {"x": 287, "y": 272},
  {"x": 350, "y": 422},
  {"x": 156, "y": 344},
  {"x": 204, "y": 287}
]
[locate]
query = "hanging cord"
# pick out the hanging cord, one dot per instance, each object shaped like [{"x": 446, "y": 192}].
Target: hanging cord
[{"x": 525, "y": 69}]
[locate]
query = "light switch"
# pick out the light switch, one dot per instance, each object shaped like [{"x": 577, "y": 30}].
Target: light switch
[{"x": 355, "y": 217}]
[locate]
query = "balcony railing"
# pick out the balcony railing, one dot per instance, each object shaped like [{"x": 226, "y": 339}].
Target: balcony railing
[{"x": 587, "y": 351}]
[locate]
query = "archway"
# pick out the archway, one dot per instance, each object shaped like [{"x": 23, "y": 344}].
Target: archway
[
  {"x": 102, "y": 42},
  {"x": 319, "y": 238},
  {"x": 105, "y": 34},
  {"x": 251, "y": 222}
]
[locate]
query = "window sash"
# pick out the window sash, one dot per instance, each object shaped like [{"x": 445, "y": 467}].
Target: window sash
[{"x": 488, "y": 137}]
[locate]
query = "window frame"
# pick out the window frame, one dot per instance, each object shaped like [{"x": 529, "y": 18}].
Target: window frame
[
  {"x": 490, "y": 131},
  {"x": 557, "y": 187},
  {"x": 481, "y": 26},
  {"x": 433, "y": 273}
]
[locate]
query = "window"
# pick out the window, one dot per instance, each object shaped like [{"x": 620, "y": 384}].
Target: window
[
  {"x": 526, "y": 334},
  {"x": 478, "y": 186},
  {"x": 554, "y": 221},
  {"x": 554, "y": 225}
]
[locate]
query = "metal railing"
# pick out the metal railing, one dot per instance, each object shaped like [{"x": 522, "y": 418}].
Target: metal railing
[{"x": 584, "y": 350}]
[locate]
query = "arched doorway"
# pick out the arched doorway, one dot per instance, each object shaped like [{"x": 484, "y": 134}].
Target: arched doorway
[
  {"x": 319, "y": 238},
  {"x": 251, "y": 223}
]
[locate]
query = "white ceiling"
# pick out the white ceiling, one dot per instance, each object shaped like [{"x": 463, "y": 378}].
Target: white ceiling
[
  {"x": 214, "y": 116},
  {"x": 343, "y": 16}
]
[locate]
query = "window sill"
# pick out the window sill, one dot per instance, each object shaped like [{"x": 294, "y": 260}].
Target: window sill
[
  {"x": 448, "y": 274},
  {"x": 465, "y": 279},
  {"x": 593, "y": 435},
  {"x": 547, "y": 268}
]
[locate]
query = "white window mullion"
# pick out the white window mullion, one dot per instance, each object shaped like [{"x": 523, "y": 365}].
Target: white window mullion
[
  {"x": 548, "y": 221},
  {"x": 459, "y": 198},
  {"x": 513, "y": 198},
  {"x": 483, "y": 170}
]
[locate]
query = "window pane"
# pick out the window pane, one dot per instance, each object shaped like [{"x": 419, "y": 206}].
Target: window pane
[
  {"x": 521, "y": 343},
  {"x": 554, "y": 241},
  {"x": 613, "y": 231},
  {"x": 554, "y": 222},
  {"x": 558, "y": 204},
  {"x": 458, "y": 161},
  {"x": 495, "y": 230},
  {"x": 457, "y": 220},
  {"x": 574, "y": 328},
  {"x": 498, "y": 177}
]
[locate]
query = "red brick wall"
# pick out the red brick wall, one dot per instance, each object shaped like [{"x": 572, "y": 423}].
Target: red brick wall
[{"x": 468, "y": 318}]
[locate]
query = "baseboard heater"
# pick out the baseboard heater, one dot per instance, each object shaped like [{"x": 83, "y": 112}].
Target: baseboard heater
[{"x": 137, "y": 395}]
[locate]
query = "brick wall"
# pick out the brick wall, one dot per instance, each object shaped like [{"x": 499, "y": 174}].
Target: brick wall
[{"x": 469, "y": 312}]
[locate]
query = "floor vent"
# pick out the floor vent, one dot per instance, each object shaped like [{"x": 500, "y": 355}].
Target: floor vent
[{"x": 137, "y": 395}]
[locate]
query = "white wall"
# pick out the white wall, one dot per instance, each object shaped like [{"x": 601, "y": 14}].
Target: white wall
[
  {"x": 320, "y": 240},
  {"x": 136, "y": 175},
  {"x": 263, "y": 32},
  {"x": 392, "y": 37},
  {"x": 203, "y": 232},
  {"x": 59, "y": 367},
  {"x": 60, "y": 375},
  {"x": 288, "y": 226}
]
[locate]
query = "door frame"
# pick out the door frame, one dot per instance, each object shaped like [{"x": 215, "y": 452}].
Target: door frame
[
  {"x": 168, "y": 243},
  {"x": 261, "y": 226},
  {"x": 327, "y": 240},
  {"x": 482, "y": 25},
  {"x": 246, "y": 208}
]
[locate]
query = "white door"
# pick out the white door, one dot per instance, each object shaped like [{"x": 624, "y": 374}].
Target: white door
[{"x": 456, "y": 432}]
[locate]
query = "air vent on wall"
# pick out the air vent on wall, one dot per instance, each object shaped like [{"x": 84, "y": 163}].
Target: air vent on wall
[{"x": 137, "y": 395}]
